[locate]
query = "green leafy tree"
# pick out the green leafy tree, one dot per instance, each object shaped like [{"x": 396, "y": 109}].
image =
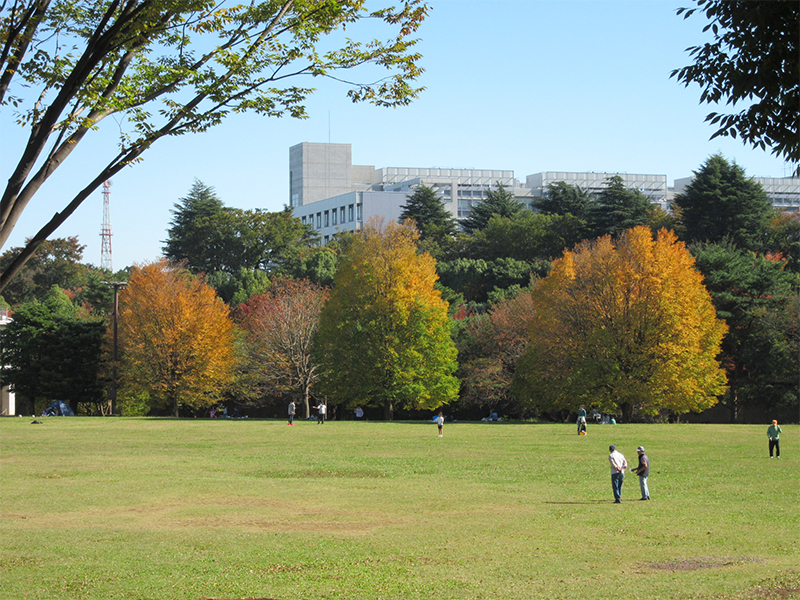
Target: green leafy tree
[
  {"x": 618, "y": 208},
  {"x": 752, "y": 59},
  {"x": 56, "y": 262},
  {"x": 425, "y": 208},
  {"x": 721, "y": 203},
  {"x": 476, "y": 278},
  {"x": 318, "y": 264},
  {"x": 626, "y": 326},
  {"x": 561, "y": 198},
  {"x": 236, "y": 288},
  {"x": 498, "y": 202},
  {"x": 783, "y": 238},
  {"x": 384, "y": 334},
  {"x": 755, "y": 295},
  {"x": 51, "y": 352},
  {"x": 527, "y": 236},
  {"x": 167, "y": 69}
]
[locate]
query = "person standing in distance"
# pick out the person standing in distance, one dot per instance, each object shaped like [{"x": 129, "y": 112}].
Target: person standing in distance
[
  {"x": 321, "y": 409},
  {"x": 643, "y": 471},
  {"x": 581, "y": 419},
  {"x": 618, "y": 467},
  {"x": 774, "y": 435},
  {"x": 440, "y": 423},
  {"x": 291, "y": 412}
]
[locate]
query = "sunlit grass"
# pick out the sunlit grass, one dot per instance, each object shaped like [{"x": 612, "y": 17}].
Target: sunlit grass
[{"x": 183, "y": 509}]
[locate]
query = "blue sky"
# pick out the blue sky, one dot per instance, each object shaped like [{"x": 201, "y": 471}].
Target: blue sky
[{"x": 527, "y": 85}]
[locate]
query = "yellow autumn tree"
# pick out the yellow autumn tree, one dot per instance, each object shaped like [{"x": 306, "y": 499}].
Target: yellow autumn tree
[
  {"x": 176, "y": 337},
  {"x": 625, "y": 326},
  {"x": 384, "y": 334}
]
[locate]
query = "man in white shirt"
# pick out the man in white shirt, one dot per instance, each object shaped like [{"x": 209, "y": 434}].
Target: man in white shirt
[
  {"x": 618, "y": 467},
  {"x": 322, "y": 410}
]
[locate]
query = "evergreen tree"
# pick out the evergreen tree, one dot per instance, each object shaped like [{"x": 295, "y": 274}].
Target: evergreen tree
[
  {"x": 722, "y": 203},
  {"x": 560, "y": 198},
  {"x": 618, "y": 209},
  {"x": 52, "y": 352},
  {"x": 754, "y": 294},
  {"x": 425, "y": 208},
  {"x": 201, "y": 202},
  {"x": 498, "y": 202}
]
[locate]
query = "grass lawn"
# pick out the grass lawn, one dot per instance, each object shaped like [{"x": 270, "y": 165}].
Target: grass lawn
[{"x": 161, "y": 509}]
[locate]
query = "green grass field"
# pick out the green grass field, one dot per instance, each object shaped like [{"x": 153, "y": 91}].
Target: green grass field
[{"x": 163, "y": 509}]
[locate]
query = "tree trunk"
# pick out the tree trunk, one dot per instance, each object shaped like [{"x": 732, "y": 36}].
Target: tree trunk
[
  {"x": 306, "y": 395},
  {"x": 388, "y": 410},
  {"x": 627, "y": 412}
]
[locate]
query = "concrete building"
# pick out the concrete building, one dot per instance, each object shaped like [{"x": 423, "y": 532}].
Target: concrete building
[
  {"x": 332, "y": 194},
  {"x": 653, "y": 187}
]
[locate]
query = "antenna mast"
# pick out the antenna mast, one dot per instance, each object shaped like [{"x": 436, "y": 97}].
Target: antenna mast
[{"x": 105, "y": 229}]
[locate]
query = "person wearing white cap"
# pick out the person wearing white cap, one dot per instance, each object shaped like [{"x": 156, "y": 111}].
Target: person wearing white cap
[
  {"x": 618, "y": 467},
  {"x": 643, "y": 471}
]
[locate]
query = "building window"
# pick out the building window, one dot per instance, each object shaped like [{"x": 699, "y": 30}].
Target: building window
[
  {"x": 350, "y": 213},
  {"x": 335, "y": 212},
  {"x": 319, "y": 220},
  {"x": 358, "y": 212},
  {"x": 341, "y": 214},
  {"x": 327, "y": 239},
  {"x": 303, "y": 220},
  {"x": 327, "y": 219}
]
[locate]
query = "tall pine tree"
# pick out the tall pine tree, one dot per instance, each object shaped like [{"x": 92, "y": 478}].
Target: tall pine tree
[
  {"x": 498, "y": 202},
  {"x": 722, "y": 203},
  {"x": 431, "y": 218}
]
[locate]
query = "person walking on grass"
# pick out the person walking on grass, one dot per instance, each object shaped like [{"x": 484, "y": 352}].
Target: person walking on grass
[
  {"x": 618, "y": 467},
  {"x": 291, "y": 412},
  {"x": 643, "y": 471},
  {"x": 774, "y": 435},
  {"x": 440, "y": 423}
]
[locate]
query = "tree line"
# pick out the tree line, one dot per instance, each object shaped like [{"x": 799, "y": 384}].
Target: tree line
[{"x": 604, "y": 300}]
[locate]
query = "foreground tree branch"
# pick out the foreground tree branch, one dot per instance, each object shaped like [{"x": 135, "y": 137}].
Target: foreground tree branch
[{"x": 137, "y": 59}]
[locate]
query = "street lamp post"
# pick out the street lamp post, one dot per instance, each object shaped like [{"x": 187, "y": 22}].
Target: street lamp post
[{"x": 117, "y": 285}]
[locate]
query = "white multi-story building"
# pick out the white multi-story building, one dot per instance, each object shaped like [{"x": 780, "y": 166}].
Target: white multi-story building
[{"x": 332, "y": 194}]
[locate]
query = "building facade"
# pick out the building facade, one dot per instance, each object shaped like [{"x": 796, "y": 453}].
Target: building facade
[{"x": 331, "y": 194}]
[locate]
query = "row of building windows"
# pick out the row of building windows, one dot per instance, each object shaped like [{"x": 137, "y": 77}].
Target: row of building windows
[{"x": 334, "y": 217}]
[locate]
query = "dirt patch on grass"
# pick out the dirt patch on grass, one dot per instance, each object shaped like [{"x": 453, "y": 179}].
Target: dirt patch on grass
[
  {"x": 700, "y": 562},
  {"x": 783, "y": 588}
]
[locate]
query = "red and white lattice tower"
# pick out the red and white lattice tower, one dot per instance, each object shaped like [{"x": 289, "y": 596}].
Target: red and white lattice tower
[{"x": 105, "y": 230}]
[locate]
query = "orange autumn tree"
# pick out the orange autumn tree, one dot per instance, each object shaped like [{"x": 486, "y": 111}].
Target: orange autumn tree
[
  {"x": 384, "y": 334},
  {"x": 624, "y": 326},
  {"x": 176, "y": 337}
]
